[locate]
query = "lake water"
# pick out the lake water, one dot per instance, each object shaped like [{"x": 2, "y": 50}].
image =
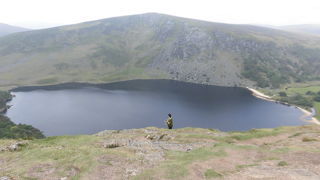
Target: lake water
[{"x": 143, "y": 103}]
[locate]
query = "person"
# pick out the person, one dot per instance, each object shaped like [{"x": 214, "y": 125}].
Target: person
[{"x": 169, "y": 121}]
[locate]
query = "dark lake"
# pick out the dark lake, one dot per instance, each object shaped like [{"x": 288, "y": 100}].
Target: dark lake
[{"x": 88, "y": 109}]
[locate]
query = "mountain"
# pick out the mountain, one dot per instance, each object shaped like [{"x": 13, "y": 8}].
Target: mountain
[
  {"x": 158, "y": 46},
  {"x": 6, "y": 29},
  {"x": 313, "y": 29}
]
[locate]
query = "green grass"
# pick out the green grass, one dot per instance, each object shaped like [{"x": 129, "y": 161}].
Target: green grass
[
  {"x": 303, "y": 90},
  {"x": 199, "y": 136},
  {"x": 317, "y": 107},
  {"x": 272, "y": 158},
  {"x": 47, "y": 81},
  {"x": 254, "y": 133},
  {"x": 295, "y": 134},
  {"x": 226, "y": 145},
  {"x": 210, "y": 173},
  {"x": 177, "y": 163},
  {"x": 245, "y": 165},
  {"x": 282, "y": 150},
  {"x": 63, "y": 153}
]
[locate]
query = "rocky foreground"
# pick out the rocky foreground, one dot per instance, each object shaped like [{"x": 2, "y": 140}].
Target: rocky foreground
[{"x": 151, "y": 153}]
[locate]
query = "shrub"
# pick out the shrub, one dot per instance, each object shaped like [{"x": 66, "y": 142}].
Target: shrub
[
  {"x": 307, "y": 139},
  {"x": 298, "y": 100},
  {"x": 317, "y": 98},
  {"x": 283, "y": 94},
  {"x": 310, "y": 93},
  {"x": 112, "y": 145},
  {"x": 282, "y": 163},
  {"x": 21, "y": 131},
  {"x": 253, "y": 133}
]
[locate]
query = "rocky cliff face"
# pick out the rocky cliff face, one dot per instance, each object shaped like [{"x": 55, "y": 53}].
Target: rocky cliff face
[{"x": 197, "y": 56}]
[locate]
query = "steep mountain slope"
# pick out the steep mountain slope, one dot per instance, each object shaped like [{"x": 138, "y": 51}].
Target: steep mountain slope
[
  {"x": 6, "y": 29},
  {"x": 158, "y": 46}
]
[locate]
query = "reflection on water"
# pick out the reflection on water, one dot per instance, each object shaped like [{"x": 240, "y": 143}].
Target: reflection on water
[{"x": 142, "y": 103}]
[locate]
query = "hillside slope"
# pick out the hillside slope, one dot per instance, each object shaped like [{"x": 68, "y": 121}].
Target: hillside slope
[
  {"x": 285, "y": 153},
  {"x": 6, "y": 29},
  {"x": 158, "y": 46}
]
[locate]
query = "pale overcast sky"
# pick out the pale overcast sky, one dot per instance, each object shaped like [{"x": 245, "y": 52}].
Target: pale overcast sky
[{"x": 46, "y": 13}]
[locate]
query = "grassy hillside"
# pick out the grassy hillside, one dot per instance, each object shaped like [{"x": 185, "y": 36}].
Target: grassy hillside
[
  {"x": 158, "y": 46},
  {"x": 152, "y": 153}
]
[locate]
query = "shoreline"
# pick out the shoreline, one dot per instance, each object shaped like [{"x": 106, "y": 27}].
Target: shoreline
[{"x": 306, "y": 114}]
